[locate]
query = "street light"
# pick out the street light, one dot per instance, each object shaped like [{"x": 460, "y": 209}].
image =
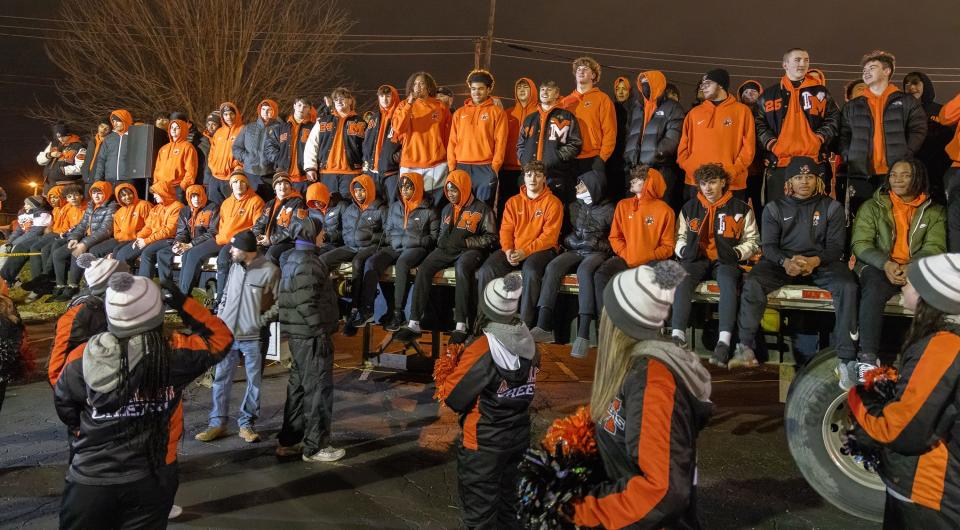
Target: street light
[{"x": 34, "y": 186}]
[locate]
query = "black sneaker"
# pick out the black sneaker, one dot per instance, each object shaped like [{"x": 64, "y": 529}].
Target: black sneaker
[
  {"x": 394, "y": 323},
  {"x": 458, "y": 337},
  {"x": 66, "y": 295},
  {"x": 361, "y": 319},
  {"x": 721, "y": 355},
  {"x": 350, "y": 330},
  {"x": 407, "y": 334}
]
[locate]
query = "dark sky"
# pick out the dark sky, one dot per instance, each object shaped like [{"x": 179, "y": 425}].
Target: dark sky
[{"x": 747, "y": 38}]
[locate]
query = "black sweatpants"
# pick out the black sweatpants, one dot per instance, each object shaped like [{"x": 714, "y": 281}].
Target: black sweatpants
[
  {"x": 532, "y": 268},
  {"x": 610, "y": 268},
  {"x": 150, "y": 257},
  {"x": 465, "y": 266},
  {"x": 377, "y": 264},
  {"x": 144, "y": 504},
  {"x": 727, "y": 276},
  {"x": 192, "y": 260},
  {"x": 43, "y": 264},
  {"x": 951, "y": 185},
  {"x": 875, "y": 291},
  {"x": 308, "y": 411},
  {"x": 586, "y": 266},
  {"x": 487, "y": 481},
  {"x": 357, "y": 259},
  {"x": 766, "y": 277}
]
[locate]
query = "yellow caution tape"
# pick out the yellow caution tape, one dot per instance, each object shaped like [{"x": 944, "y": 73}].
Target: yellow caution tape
[{"x": 16, "y": 254}]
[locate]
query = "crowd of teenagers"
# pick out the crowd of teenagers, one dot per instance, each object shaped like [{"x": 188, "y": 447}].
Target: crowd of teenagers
[{"x": 757, "y": 188}]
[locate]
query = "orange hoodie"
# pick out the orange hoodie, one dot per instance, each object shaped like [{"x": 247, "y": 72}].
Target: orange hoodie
[
  {"x": 723, "y": 134},
  {"x": 531, "y": 225},
  {"x": 423, "y": 129},
  {"x": 220, "y": 160},
  {"x": 796, "y": 137},
  {"x": 237, "y": 215},
  {"x": 478, "y": 135},
  {"x": 298, "y": 135},
  {"x": 68, "y": 216},
  {"x": 59, "y": 223},
  {"x": 125, "y": 118},
  {"x": 386, "y": 117},
  {"x": 598, "y": 122},
  {"x": 949, "y": 116},
  {"x": 658, "y": 83},
  {"x": 902, "y": 217},
  {"x": 177, "y": 161},
  {"x": 515, "y": 117},
  {"x": 368, "y": 186},
  {"x": 877, "y": 104},
  {"x": 317, "y": 194},
  {"x": 414, "y": 202},
  {"x": 129, "y": 219},
  {"x": 162, "y": 221},
  {"x": 461, "y": 179},
  {"x": 643, "y": 226}
]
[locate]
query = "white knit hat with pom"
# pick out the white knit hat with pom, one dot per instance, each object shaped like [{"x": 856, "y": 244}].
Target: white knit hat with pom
[
  {"x": 134, "y": 305},
  {"x": 97, "y": 271}
]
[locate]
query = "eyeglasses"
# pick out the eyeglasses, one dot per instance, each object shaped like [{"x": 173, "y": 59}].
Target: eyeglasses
[{"x": 406, "y": 185}]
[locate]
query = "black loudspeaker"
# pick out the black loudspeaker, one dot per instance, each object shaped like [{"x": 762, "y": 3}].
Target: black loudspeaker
[{"x": 145, "y": 141}]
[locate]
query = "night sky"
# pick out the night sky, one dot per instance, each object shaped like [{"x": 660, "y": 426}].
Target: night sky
[{"x": 747, "y": 38}]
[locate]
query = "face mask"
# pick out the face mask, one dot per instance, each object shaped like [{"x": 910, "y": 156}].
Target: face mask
[{"x": 585, "y": 197}]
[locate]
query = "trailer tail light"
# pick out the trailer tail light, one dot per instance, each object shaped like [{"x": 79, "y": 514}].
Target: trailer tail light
[
  {"x": 713, "y": 288},
  {"x": 815, "y": 294}
]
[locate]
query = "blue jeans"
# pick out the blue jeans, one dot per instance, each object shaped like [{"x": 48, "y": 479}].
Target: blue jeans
[{"x": 223, "y": 380}]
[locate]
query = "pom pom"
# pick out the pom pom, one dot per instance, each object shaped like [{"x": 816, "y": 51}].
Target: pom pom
[
  {"x": 443, "y": 368},
  {"x": 879, "y": 387},
  {"x": 512, "y": 282},
  {"x": 121, "y": 281},
  {"x": 575, "y": 433},
  {"x": 85, "y": 260},
  {"x": 882, "y": 380},
  {"x": 668, "y": 274}
]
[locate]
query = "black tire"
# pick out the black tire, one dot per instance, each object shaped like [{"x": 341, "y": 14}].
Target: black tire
[{"x": 816, "y": 407}]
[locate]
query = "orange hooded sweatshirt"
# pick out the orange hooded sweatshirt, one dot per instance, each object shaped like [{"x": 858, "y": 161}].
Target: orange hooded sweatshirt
[
  {"x": 478, "y": 135},
  {"x": 162, "y": 221},
  {"x": 796, "y": 137},
  {"x": 877, "y": 104},
  {"x": 129, "y": 219},
  {"x": 318, "y": 194},
  {"x": 386, "y": 117},
  {"x": 461, "y": 179},
  {"x": 515, "y": 117},
  {"x": 723, "y": 134},
  {"x": 643, "y": 226},
  {"x": 949, "y": 116},
  {"x": 598, "y": 122},
  {"x": 59, "y": 223},
  {"x": 220, "y": 160},
  {"x": 177, "y": 161},
  {"x": 423, "y": 129},
  {"x": 415, "y": 199},
  {"x": 69, "y": 215},
  {"x": 237, "y": 215},
  {"x": 531, "y": 225},
  {"x": 658, "y": 83},
  {"x": 299, "y": 135}
]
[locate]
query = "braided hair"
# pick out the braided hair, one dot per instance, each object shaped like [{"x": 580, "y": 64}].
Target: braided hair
[{"x": 150, "y": 391}]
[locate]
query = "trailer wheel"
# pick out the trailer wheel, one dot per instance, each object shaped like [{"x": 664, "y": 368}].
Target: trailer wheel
[{"x": 815, "y": 415}]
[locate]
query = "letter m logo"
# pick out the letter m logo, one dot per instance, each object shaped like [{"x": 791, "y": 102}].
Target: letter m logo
[{"x": 559, "y": 129}]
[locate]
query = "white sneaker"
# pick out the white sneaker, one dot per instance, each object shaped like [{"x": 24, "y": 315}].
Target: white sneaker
[
  {"x": 327, "y": 454},
  {"x": 175, "y": 511}
]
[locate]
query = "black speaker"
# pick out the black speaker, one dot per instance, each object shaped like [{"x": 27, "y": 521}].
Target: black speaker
[{"x": 145, "y": 141}]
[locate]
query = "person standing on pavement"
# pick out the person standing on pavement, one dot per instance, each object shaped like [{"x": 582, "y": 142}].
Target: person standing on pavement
[
  {"x": 309, "y": 315},
  {"x": 247, "y": 306}
]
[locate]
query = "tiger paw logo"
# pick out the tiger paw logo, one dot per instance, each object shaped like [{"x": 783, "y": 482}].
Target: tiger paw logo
[
  {"x": 614, "y": 421},
  {"x": 484, "y": 117},
  {"x": 538, "y": 213},
  {"x": 648, "y": 219},
  {"x": 695, "y": 225},
  {"x": 816, "y": 218},
  {"x": 587, "y": 104},
  {"x": 435, "y": 116},
  {"x": 728, "y": 122}
]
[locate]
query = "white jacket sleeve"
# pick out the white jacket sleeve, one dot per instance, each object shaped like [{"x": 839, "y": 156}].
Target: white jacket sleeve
[
  {"x": 42, "y": 158},
  {"x": 750, "y": 239},
  {"x": 310, "y": 150},
  {"x": 77, "y": 165},
  {"x": 681, "y": 235}
]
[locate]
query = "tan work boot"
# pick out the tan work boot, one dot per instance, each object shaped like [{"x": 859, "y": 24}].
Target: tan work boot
[
  {"x": 249, "y": 435},
  {"x": 211, "y": 434},
  {"x": 290, "y": 450}
]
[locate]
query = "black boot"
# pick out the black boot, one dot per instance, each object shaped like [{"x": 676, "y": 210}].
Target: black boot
[{"x": 396, "y": 321}]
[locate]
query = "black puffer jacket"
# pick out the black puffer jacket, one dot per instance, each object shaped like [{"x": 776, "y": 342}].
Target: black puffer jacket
[
  {"x": 904, "y": 127},
  {"x": 656, "y": 144},
  {"x": 308, "y": 303},
  {"x": 277, "y": 218},
  {"x": 591, "y": 222},
  {"x": 422, "y": 228},
  {"x": 771, "y": 111},
  {"x": 363, "y": 228},
  {"x": 96, "y": 225}
]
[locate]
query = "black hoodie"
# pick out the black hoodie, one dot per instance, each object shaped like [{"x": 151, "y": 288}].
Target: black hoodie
[
  {"x": 931, "y": 153},
  {"x": 591, "y": 222}
]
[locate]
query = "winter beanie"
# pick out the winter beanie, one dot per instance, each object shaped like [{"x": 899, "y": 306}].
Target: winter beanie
[
  {"x": 638, "y": 300},
  {"x": 244, "y": 241},
  {"x": 97, "y": 271},
  {"x": 501, "y": 298},
  {"x": 133, "y": 305},
  {"x": 718, "y": 76},
  {"x": 801, "y": 165},
  {"x": 937, "y": 281},
  {"x": 280, "y": 176}
]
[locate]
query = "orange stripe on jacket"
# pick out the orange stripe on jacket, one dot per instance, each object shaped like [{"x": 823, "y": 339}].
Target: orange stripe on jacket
[
  {"x": 424, "y": 129},
  {"x": 531, "y": 225},
  {"x": 597, "y": 118},
  {"x": 643, "y": 227},
  {"x": 645, "y": 491},
  {"x": 468, "y": 358},
  {"x": 58, "y": 350},
  {"x": 877, "y": 104},
  {"x": 723, "y": 134},
  {"x": 928, "y": 479}
]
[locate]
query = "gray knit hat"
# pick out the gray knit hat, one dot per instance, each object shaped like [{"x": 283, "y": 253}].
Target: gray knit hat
[
  {"x": 501, "y": 298},
  {"x": 134, "y": 305},
  {"x": 638, "y": 300},
  {"x": 97, "y": 271},
  {"x": 937, "y": 281}
]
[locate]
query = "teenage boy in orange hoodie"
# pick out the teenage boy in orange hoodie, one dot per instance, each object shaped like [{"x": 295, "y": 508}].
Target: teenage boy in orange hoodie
[
  {"x": 949, "y": 116},
  {"x": 196, "y": 224},
  {"x": 381, "y": 147},
  {"x": 529, "y": 238},
  {"x": 478, "y": 137},
  {"x": 160, "y": 226},
  {"x": 595, "y": 114},
  {"x": 220, "y": 161},
  {"x": 287, "y": 141},
  {"x": 249, "y": 149},
  {"x": 326, "y": 214},
  {"x": 237, "y": 213},
  {"x": 127, "y": 221},
  {"x": 526, "y": 101},
  {"x": 334, "y": 150},
  {"x": 273, "y": 228},
  {"x": 795, "y": 117},
  {"x": 716, "y": 233},
  {"x": 423, "y": 124},
  {"x": 551, "y": 134},
  {"x": 883, "y": 126},
  {"x": 642, "y": 229},
  {"x": 95, "y": 226},
  {"x": 720, "y": 130},
  {"x": 176, "y": 165}
]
